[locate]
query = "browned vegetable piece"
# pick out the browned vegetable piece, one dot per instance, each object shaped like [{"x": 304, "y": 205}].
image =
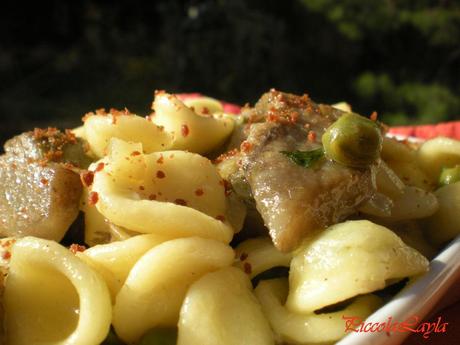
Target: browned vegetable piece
[
  {"x": 39, "y": 193},
  {"x": 296, "y": 189}
]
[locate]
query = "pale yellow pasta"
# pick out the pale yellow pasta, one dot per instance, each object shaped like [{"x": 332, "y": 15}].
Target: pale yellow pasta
[
  {"x": 174, "y": 193},
  {"x": 79, "y": 132},
  {"x": 52, "y": 297},
  {"x": 97, "y": 228},
  {"x": 259, "y": 255},
  {"x": 117, "y": 258},
  {"x": 412, "y": 174},
  {"x": 346, "y": 260},
  {"x": 444, "y": 225},
  {"x": 401, "y": 157},
  {"x": 236, "y": 212},
  {"x": 379, "y": 205},
  {"x": 191, "y": 131},
  {"x": 204, "y": 105},
  {"x": 414, "y": 203},
  {"x": 344, "y": 106},
  {"x": 397, "y": 150},
  {"x": 388, "y": 183},
  {"x": 439, "y": 153},
  {"x": 156, "y": 286},
  {"x": 220, "y": 308},
  {"x": 296, "y": 328},
  {"x": 99, "y": 129},
  {"x": 412, "y": 234}
]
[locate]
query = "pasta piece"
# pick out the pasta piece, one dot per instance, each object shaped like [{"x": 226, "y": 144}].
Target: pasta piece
[
  {"x": 204, "y": 105},
  {"x": 156, "y": 286},
  {"x": 52, "y": 297},
  {"x": 412, "y": 174},
  {"x": 438, "y": 153},
  {"x": 174, "y": 193},
  {"x": 411, "y": 234},
  {"x": 295, "y": 328},
  {"x": 379, "y": 205},
  {"x": 257, "y": 255},
  {"x": 191, "y": 131},
  {"x": 344, "y": 106},
  {"x": 414, "y": 203},
  {"x": 388, "y": 183},
  {"x": 117, "y": 258},
  {"x": 79, "y": 132},
  {"x": 220, "y": 308},
  {"x": 236, "y": 212},
  {"x": 346, "y": 260},
  {"x": 444, "y": 225},
  {"x": 97, "y": 228},
  {"x": 100, "y": 128},
  {"x": 397, "y": 151}
]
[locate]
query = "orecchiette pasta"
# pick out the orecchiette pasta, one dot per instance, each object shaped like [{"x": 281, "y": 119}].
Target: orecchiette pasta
[
  {"x": 348, "y": 259},
  {"x": 161, "y": 197},
  {"x": 298, "y": 328},
  {"x": 220, "y": 308},
  {"x": 153, "y": 292},
  {"x": 401, "y": 157},
  {"x": 160, "y": 219},
  {"x": 444, "y": 225},
  {"x": 52, "y": 297},
  {"x": 191, "y": 131},
  {"x": 438, "y": 153},
  {"x": 414, "y": 203},
  {"x": 100, "y": 128},
  {"x": 115, "y": 260},
  {"x": 204, "y": 105},
  {"x": 388, "y": 183},
  {"x": 258, "y": 255}
]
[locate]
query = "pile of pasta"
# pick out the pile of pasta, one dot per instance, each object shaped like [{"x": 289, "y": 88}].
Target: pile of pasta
[{"x": 159, "y": 220}]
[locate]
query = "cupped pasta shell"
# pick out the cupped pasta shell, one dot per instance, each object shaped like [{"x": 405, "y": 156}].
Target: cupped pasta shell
[
  {"x": 444, "y": 225},
  {"x": 220, "y": 308},
  {"x": 114, "y": 260},
  {"x": 438, "y": 153},
  {"x": 257, "y": 255},
  {"x": 171, "y": 193},
  {"x": 346, "y": 260},
  {"x": 156, "y": 286},
  {"x": 53, "y": 297},
  {"x": 191, "y": 131},
  {"x": 99, "y": 129},
  {"x": 310, "y": 328}
]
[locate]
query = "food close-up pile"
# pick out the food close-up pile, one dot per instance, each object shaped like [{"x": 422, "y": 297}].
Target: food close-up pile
[{"x": 203, "y": 223}]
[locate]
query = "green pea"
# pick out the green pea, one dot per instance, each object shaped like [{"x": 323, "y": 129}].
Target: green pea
[
  {"x": 449, "y": 175},
  {"x": 159, "y": 336},
  {"x": 353, "y": 140}
]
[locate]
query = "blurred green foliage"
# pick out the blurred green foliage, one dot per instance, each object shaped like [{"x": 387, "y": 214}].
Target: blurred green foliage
[{"x": 61, "y": 59}]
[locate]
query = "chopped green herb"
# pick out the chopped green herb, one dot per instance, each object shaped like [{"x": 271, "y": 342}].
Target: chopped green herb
[{"x": 304, "y": 158}]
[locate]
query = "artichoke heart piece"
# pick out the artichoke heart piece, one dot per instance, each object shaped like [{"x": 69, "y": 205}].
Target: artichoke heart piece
[
  {"x": 39, "y": 193},
  {"x": 346, "y": 260}
]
